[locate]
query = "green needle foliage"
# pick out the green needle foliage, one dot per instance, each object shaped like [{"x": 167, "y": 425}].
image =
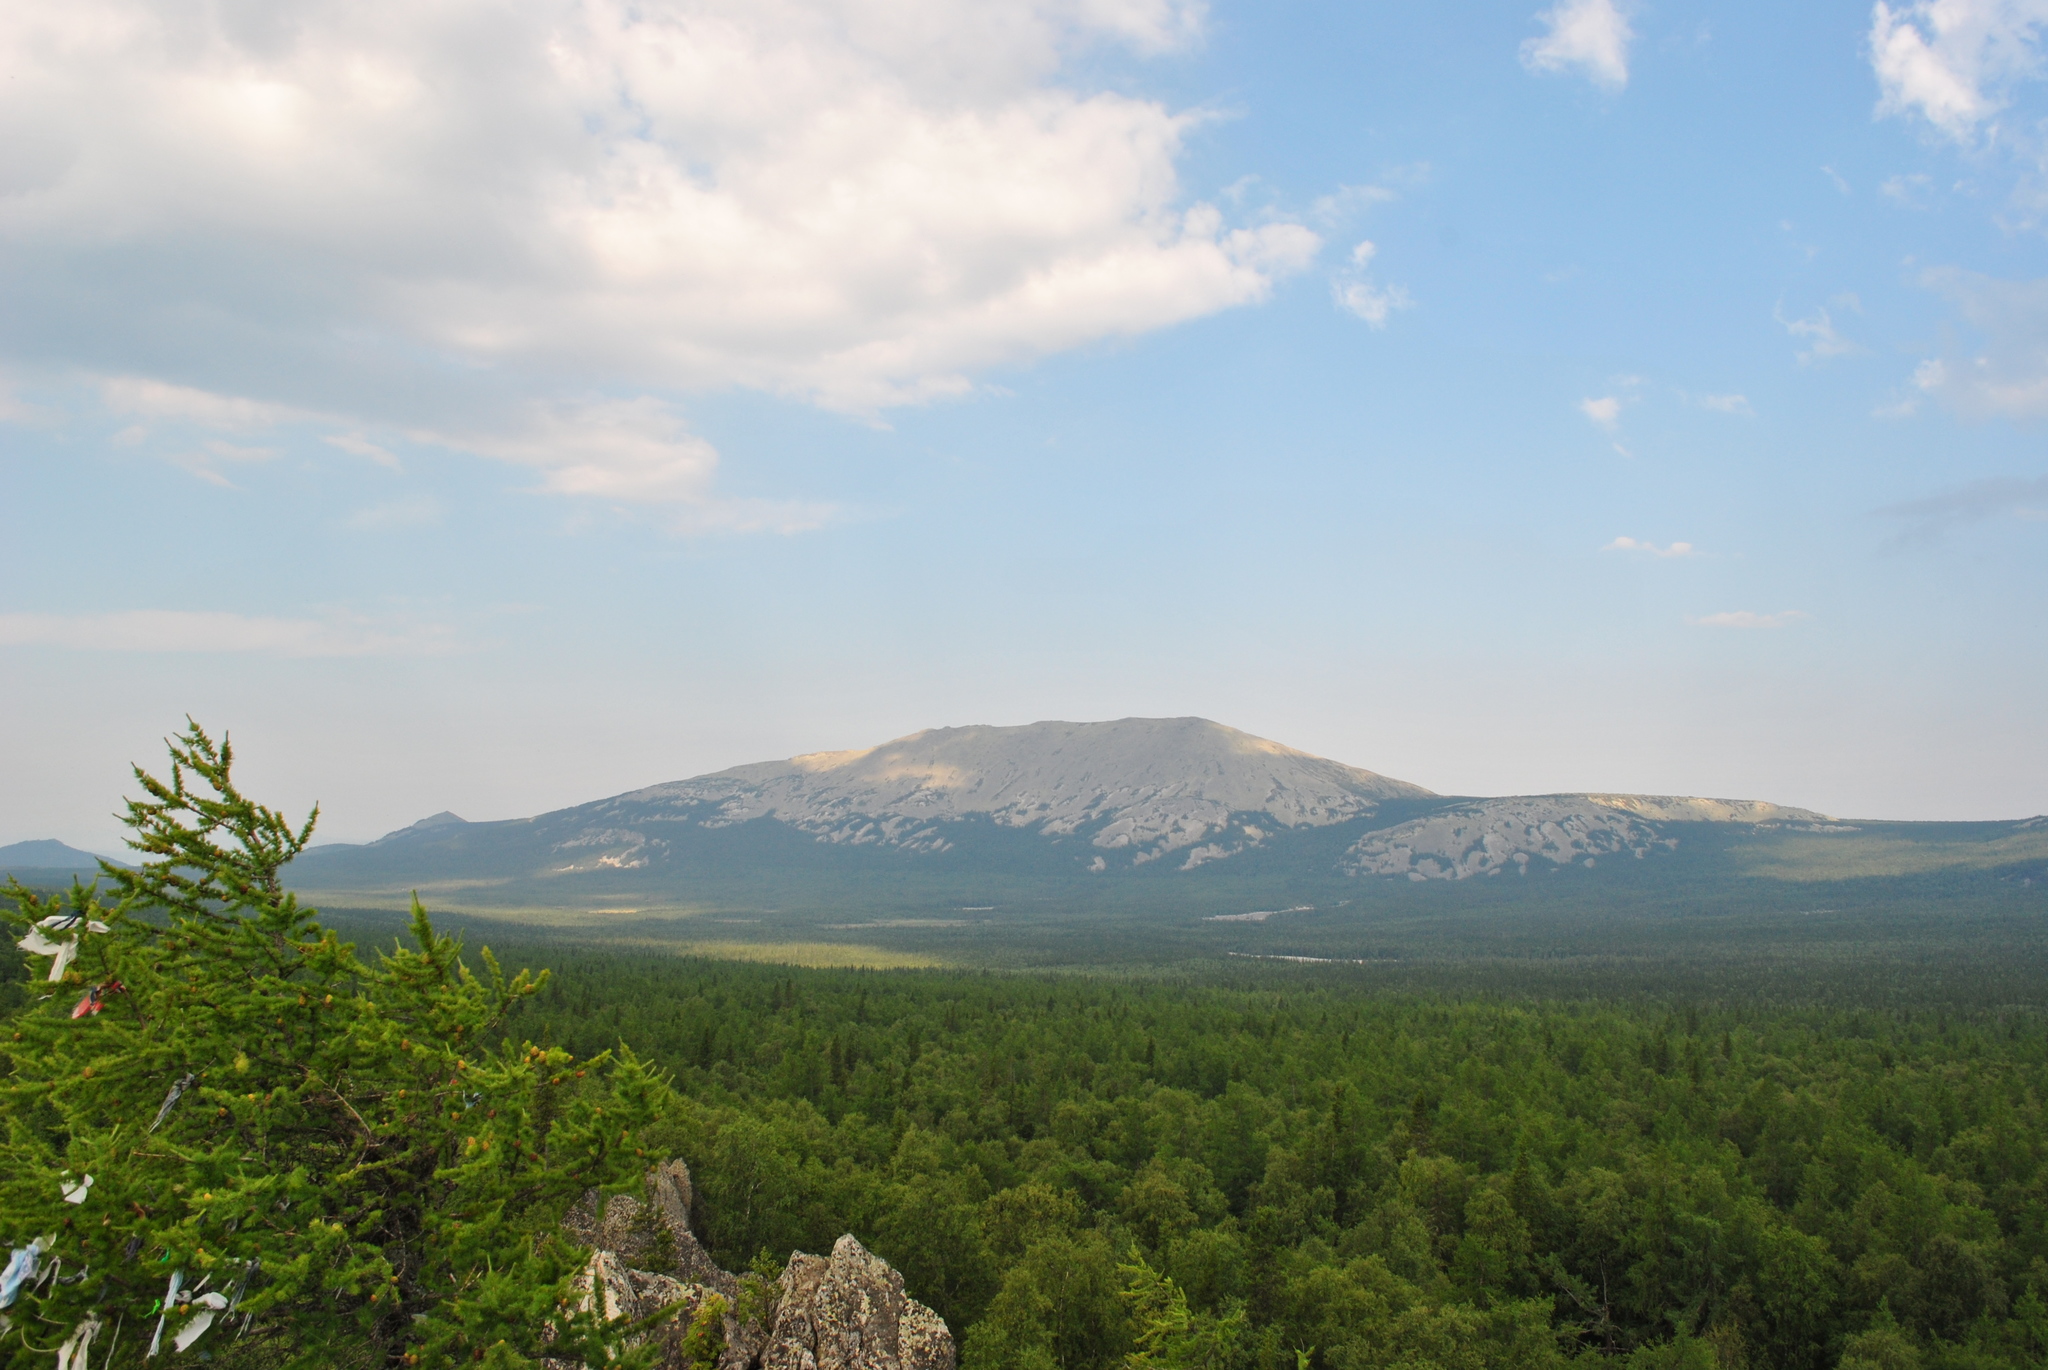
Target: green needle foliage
[
  {"x": 1171, "y": 1337},
  {"x": 358, "y": 1170}
]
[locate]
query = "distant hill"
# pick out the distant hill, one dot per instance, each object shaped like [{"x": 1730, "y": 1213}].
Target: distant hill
[
  {"x": 39, "y": 861},
  {"x": 1180, "y": 809}
]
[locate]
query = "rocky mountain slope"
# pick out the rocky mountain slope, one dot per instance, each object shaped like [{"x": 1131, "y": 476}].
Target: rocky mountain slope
[
  {"x": 1143, "y": 788},
  {"x": 1488, "y": 836},
  {"x": 843, "y": 1312},
  {"x": 1073, "y": 799}
]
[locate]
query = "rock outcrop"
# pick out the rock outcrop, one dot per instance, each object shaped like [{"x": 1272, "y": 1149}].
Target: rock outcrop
[
  {"x": 843, "y": 1312},
  {"x": 1552, "y": 831}
]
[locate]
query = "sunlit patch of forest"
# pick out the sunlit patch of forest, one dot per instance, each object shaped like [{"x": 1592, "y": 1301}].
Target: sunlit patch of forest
[{"x": 1335, "y": 1175}]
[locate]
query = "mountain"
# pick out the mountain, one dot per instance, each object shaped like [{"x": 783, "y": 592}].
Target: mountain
[
  {"x": 427, "y": 824},
  {"x": 41, "y": 861},
  {"x": 1139, "y": 788},
  {"x": 1074, "y": 809}
]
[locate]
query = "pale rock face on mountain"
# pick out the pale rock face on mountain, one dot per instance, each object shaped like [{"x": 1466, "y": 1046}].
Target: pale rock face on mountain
[
  {"x": 1156, "y": 786},
  {"x": 1489, "y": 836}
]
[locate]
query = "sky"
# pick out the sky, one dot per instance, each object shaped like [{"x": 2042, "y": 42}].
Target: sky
[{"x": 495, "y": 406}]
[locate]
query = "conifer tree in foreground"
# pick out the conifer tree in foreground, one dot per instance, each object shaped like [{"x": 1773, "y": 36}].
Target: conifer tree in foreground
[{"x": 226, "y": 1133}]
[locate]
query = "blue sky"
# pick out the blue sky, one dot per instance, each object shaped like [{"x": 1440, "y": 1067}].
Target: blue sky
[{"x": 493, "y": 407}]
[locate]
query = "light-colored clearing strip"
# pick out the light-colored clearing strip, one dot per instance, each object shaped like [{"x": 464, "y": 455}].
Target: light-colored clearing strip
[{"x": 814, "y": 954}]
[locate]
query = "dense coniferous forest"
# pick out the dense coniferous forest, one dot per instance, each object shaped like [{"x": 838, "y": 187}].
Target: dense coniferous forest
[{"x": 1334, "y": 1176}]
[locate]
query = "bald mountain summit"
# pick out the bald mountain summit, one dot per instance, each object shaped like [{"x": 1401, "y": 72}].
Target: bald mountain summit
[{"x": 1181, "y": 805}]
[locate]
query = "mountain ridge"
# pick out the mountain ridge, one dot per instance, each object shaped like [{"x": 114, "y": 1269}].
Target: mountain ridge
[
  {"x": 44, "y": 856},
  {"x": 1058, "y": 799}
]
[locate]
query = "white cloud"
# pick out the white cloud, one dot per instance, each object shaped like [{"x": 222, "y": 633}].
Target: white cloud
[
  {"x": 1951, "y": 61},
  {"x": 635, "y": 451},
  {"x": 2006, "y": 375},
  {"x": 1744, "y": 618},
  {"x": 355, "y": 444},
  {"x": 1348, "y": 202},
  {"x": 184, "y": 408},
  {"x": 172, "y": 630},
  {"x": 1826, "y": 342},
  {"x": 206, "y": 460},
  {"x": 621, "y": 451},
  {"x": 142, "y": 397},
  {"x": 1835, "y": 178},
  {"x": 1727, "y": 404},
  {"x": 1910, "y": 190},
  {"x": 1676, "y": 549},
  {"x": 1605, "y": 412},
  {"x": 1589, "y": 36},
  {"x": 862, "y": 203},
  {"x": 1356, "y": 292}
]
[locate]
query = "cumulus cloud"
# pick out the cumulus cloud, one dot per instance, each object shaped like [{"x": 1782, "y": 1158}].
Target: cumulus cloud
[
  {"x": 1356, "y": 292},
  {"x": 1952, "y": 62},
  {"x": 174, "y": 630},
  {"x": 1727, "y": 404},
  {"x": 1927, "y": 518},
  {"x": 1676, "y": 549},
  {"x": 1590, "y": 37},
  {"x": 1744, "y": 618},
  {"x": 856, "y": 202}
]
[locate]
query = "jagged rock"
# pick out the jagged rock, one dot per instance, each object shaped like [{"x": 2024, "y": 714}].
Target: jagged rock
[
  {"x": 848, "y": 1312},
  {"x": 604, "y": 1284},
  {"x": 793, "y": 1345},
  {"x": 653, "y": 1234},
  {"x": 924, "y": 1342}
]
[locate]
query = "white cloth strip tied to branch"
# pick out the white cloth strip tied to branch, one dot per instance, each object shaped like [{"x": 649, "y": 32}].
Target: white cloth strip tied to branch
[
  {"x": 208, "y": 1308},
  {"x": 21, "y": 1269},
  {"x": 170, "y": 1297},
  {"x": 64, "y": 949},
  {"x": 76, "y": 1354},
  {"x": 65, "y": 922}
]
